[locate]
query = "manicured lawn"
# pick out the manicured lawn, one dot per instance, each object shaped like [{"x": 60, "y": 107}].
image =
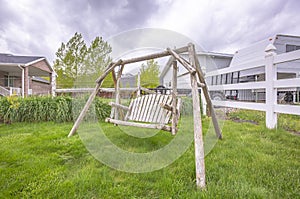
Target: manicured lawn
[{"x": 37, "y": 160}]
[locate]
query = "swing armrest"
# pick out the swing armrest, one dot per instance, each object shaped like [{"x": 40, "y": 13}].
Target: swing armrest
[{"x": 113, "y": 104}]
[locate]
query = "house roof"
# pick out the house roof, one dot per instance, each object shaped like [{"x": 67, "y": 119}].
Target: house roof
[
  {"x": 256, "y": 51},
  {"x": 15, "y": 59},
  {"x": 12, "y": 63}
]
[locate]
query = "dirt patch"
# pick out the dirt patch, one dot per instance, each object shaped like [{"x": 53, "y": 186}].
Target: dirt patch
[
  {"x": 293, "y": 132},
  {"x": 243, "y": 121}
]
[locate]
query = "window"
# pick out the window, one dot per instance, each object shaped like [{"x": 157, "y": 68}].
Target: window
[
  {"x": 8, "y": 81},
  {"x": 216, "y": 83},
  {"x": 229, "y": 78},
  {"x": 290, "y": 47},
  {"x": 235, "y": 77},
  {"x": 223, "y": 78},
  {"x": 219, "y": 79}
]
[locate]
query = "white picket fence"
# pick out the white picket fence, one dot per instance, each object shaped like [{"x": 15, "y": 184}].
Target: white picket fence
[
  {"x": 4, "y": 91},
  {"x": 271, "y": 85},
  {"x": 11, "y": 91}
]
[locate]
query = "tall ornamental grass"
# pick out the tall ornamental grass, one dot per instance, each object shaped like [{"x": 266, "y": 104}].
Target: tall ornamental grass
[{"x": 40, "y": 109}]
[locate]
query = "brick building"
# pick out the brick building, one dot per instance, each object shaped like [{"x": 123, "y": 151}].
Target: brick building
[{"x": 25, "y": 75}]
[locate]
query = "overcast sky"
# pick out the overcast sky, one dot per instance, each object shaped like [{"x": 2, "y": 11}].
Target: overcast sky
[{"x": 35, "y": 27}]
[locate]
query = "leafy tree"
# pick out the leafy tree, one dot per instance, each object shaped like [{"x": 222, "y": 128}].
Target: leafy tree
[
  {"x": 108, "y": 81},
  {"x": 97, "y": 58},
  {"x": 68, "y": 63},
  {"x": 150, "y": 74},
  {"x": 78, "y": 65}
]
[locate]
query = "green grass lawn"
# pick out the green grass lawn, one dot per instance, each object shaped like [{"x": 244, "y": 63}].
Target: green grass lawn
[{"x": 39, "y": 161}]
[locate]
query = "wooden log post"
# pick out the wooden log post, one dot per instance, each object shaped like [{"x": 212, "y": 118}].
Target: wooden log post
[
  {"x": 117, "y": 93},
  {"x": 195, "y": 62},
  {"x": 92, "y": 96},
  {"x": 138, "y": 94},
  {"x": 174, "y": 99},
  {"x": 198, "y": 137},
  {"x": 182, "y": 61},
  {"x": 141, "y": 125},
  {"x": 114, "y": 77},
  {"x": 154, "y": 55},
  {"x": 118, "y": 97}
]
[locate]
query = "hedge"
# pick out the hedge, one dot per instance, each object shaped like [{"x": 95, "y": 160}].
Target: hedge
[
  {"x": 57, "y": 109},
  {"x": 60, "y": 109}
]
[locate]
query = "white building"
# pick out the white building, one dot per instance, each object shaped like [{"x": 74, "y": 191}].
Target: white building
[
  {"x": 209, "y": 61},
  {"x": 256, "y": 53}
]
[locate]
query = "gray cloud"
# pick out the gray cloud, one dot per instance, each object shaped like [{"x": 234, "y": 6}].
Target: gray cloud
[
  {"x": 38, "y": 28},
  {"x": 244, "y": 25}
]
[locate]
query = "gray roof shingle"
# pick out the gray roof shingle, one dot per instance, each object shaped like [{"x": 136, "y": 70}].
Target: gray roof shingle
[{"x": 14, "y": 59}]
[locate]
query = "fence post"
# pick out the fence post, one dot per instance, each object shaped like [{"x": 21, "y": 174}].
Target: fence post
[{"x": 271, "y": 92}]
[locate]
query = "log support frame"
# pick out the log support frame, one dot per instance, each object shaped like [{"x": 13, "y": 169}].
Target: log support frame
[{"x": 193, "y": 68}]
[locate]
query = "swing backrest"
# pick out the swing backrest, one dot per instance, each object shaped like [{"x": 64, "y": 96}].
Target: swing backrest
[{"x": 147, "y": 108}]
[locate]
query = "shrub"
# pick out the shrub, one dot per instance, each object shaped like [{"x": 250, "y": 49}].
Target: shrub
[
  {"x": 102, "y": 109},
  {"x": 39, "y": 109}
]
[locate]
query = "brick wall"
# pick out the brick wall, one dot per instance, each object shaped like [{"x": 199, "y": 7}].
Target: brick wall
[
  {"x": 39, "y": 88},
  {"x": 2, "y": 78},
  {"x": 42, "y": 65}
]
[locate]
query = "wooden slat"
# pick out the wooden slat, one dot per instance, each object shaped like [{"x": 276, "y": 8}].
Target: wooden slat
[
  {"x": 127, "y": 116},
  {"x": 141, "y": 108},
  {"x": 148, "y": 109},
  {"x": 134, "y": 109},
  {"x": 165, "y": 113},
  {"x": 137, "y": 108},
  {"x": 161, "y": 110},
  {"x": 151, "y": 104},
  {"x": 157, "y": 110},
  {"x": 141, "y": 125},
  {"x": 144, "y": 108},
  {"x": 153, "y": 108}
]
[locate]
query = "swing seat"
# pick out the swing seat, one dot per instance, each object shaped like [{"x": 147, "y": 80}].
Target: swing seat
[{"x": 148, "y": 111}]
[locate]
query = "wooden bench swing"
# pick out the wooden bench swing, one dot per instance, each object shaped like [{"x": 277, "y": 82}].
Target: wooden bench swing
[
  {"x": 157, "y": 110},
  {"x": 152, "y": 110},
  {"x": 147, "y": 111}
]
